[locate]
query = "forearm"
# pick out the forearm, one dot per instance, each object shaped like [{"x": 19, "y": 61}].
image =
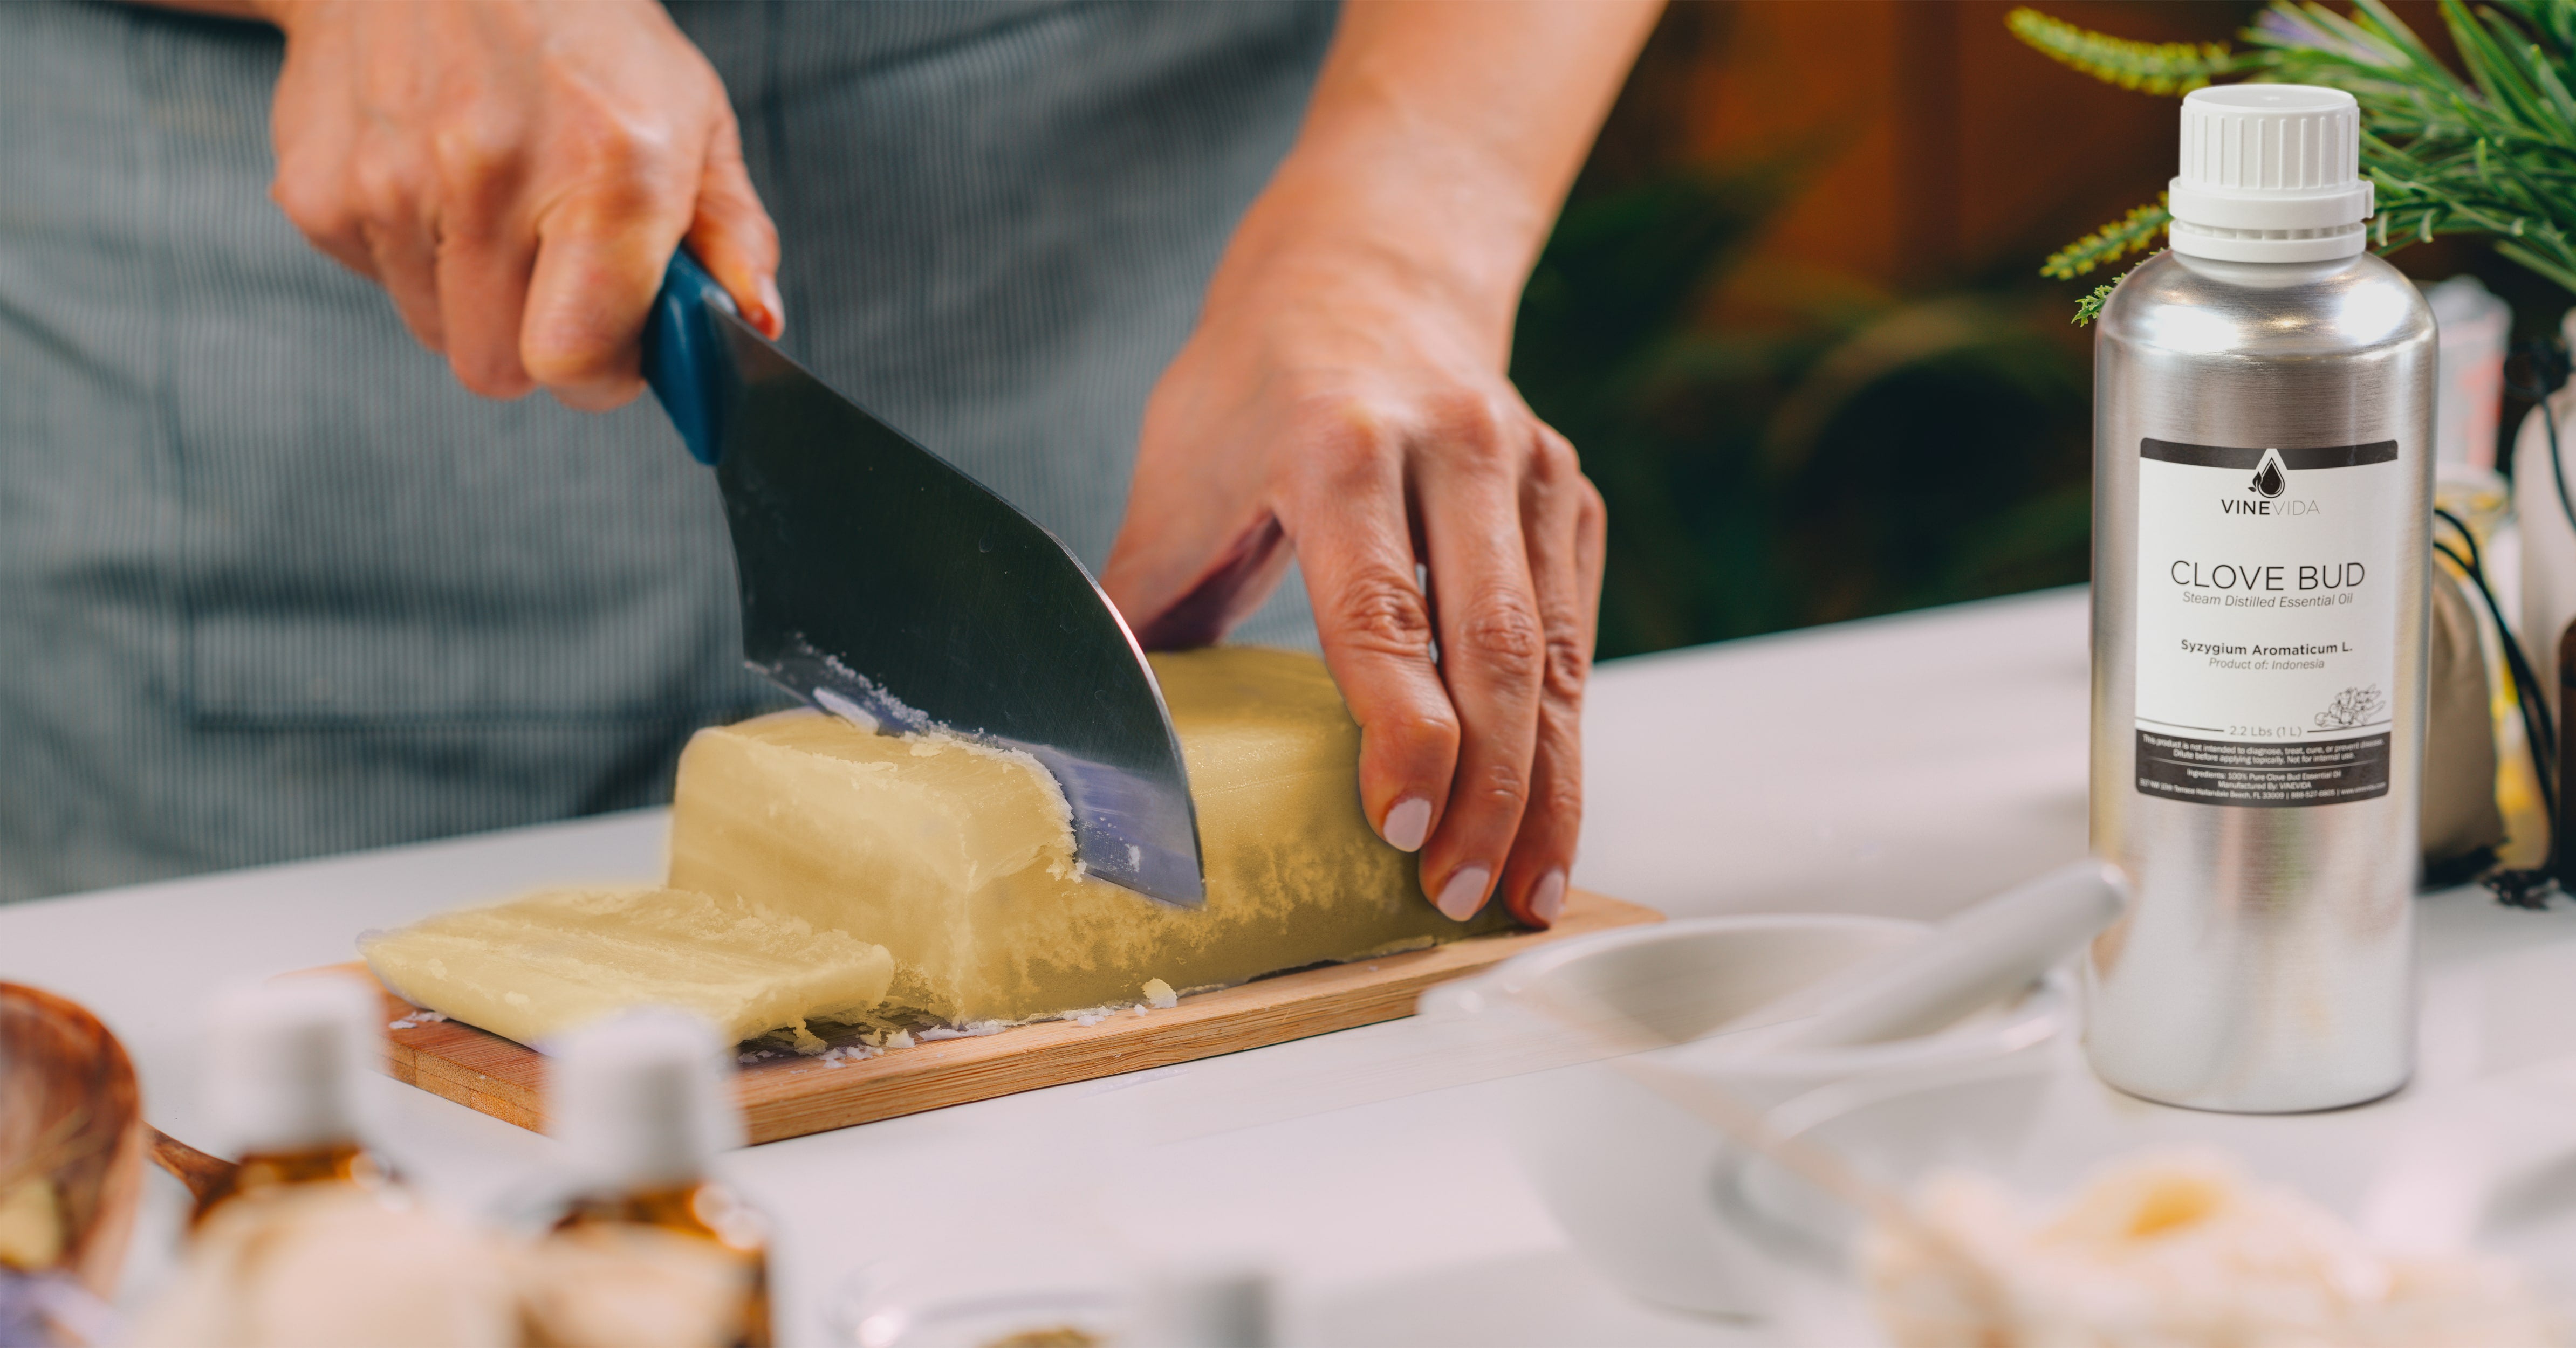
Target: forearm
[{"x": 1441, "y": 139}]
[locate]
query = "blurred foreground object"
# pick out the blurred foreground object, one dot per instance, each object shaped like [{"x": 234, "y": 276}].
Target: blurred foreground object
[
  {"x": 322, "y": 1265},
  {"x": 71, "y": 1169},
  {"x": 284, "y": 1062},
  {"x": 652, "y": 1254},
  {"x": 2179, "y": 1248},
  {"x": 305, "y": 1241},
  {"x": 1205, "y": 1306},
  {"x": 2474, "y": 328}
]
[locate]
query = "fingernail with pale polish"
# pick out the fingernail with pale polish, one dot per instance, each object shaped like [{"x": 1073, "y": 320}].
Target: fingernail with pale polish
[
  {"x": 1464, "y": 894},
  {"x": 1547, "y": 897},
  {"x": 1408, "y": 822}
]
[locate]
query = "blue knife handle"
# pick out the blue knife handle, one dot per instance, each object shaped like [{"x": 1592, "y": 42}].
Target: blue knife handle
[{"x": 684, "y": 356}]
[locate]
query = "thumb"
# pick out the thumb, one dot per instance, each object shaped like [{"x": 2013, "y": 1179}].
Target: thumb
[{"x": 733, "y": 237}]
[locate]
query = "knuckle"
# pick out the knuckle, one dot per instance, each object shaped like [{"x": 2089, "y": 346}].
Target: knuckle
[
  {"x": 624, "y": 151},
  {"x": 472, "y": 157},
  {"x": 313, "y": 206},
  {"x": 488, "y": 375},
  {"x": 1502, "y": 786},
  {"x": 1563, "y": 797},
  {"x": 381, "y": 194},
  {"x": 1351, "y": 439},
  {"x": 1472, "y": 425},
  {"x": 1558, "y": 807},
  {"x": 1382, "y": 613},
  {"x": 1553, "y": 460},
  {"x": 569, "y": 365},
  {"x": 1568, "y": 664},
  {"x": 1506, "y": 635},
  {"x": 1589, "y": 505},
  {"x": 1418, "y": 736}
]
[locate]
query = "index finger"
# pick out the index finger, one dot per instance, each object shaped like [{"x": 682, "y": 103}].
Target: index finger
[{"x": 1356, "y": 554}]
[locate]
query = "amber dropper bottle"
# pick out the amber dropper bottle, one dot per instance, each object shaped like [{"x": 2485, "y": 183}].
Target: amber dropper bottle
[
  {"x": 284, "y": 1061},
  {"x": 643, "y": 1103}
]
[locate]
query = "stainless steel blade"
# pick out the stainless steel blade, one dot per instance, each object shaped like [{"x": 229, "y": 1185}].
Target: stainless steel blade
[{"x": 882, "y": 584}]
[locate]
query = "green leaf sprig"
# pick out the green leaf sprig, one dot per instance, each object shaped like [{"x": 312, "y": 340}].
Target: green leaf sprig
[
  {"x": 2149, "y": 67},
  {"x": 2490, "y": 154},
  {"x": 2133, "y": 233}
]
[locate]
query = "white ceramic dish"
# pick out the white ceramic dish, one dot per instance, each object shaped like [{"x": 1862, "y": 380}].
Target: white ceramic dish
[{"x": 1632, "y": 1178}]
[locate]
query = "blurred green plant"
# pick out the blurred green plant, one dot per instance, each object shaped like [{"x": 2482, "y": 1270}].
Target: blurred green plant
[
  {"x": 2493, "y": 154},
  {"x": 1863, "y": 456}
]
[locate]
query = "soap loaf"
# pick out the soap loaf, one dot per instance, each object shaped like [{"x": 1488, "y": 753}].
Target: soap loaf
[{"x": 958, "y": 858}]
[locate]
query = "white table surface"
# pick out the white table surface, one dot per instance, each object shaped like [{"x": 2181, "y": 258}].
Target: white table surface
[{"x": 1903, "y": 765}]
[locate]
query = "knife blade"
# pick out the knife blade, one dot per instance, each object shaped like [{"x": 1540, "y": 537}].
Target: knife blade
[{"x": 883, "y": 585}]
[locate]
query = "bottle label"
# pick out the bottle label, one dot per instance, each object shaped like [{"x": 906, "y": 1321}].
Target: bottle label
[{"x": 2267, "y": 621}]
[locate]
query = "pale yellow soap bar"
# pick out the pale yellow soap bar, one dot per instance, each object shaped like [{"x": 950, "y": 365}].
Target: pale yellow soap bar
[
  {"x": 539, "y": 965},
  {"x": 959, "y": 859}
]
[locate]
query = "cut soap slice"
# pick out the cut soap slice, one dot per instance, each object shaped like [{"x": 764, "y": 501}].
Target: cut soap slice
[
  {"x": 959, "y": 858},
  {"x": 536, "y": 966}
]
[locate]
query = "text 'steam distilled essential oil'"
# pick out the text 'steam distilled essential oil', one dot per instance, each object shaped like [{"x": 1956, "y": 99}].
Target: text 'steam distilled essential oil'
[{"x": 2262, "y": 477}]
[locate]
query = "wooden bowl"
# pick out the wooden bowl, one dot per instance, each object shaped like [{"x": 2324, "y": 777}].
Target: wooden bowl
[{"x": 71, "y": 1118}]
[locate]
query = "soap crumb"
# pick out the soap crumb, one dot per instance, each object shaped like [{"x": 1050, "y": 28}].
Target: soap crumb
[
  {"x": 754, "y": 1056},
  {"x": 970, "y": 1030},
  {"x": 1089, "y": 1018},
  {"x": 1137, "y": 1009},
  {"x": 899, "y": 1039},
  {"x": 1159, "y": 995}
]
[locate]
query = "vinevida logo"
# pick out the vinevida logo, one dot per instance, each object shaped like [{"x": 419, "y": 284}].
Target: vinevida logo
[{"x": 2270, "y": 479}]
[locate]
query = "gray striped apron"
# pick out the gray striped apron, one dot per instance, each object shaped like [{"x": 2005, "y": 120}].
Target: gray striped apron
[{"x": 271, "y": 585}]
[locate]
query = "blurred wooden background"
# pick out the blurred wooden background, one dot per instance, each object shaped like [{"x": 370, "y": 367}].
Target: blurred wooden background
[{"x": 1793, "y": 315}]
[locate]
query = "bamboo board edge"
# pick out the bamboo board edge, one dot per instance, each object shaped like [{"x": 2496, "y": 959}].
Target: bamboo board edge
[{"x": 785, "y": 1097}]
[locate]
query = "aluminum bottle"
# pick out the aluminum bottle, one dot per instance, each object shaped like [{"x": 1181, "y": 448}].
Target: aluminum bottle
[{"x": 2262, "y": 478}]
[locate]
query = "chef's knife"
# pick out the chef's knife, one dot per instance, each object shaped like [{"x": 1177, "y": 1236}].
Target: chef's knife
[{"x": 883, "y": 585}]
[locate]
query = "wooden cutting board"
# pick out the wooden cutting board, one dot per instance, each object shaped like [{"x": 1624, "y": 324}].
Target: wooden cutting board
[{"x": 790, "y": 1096}]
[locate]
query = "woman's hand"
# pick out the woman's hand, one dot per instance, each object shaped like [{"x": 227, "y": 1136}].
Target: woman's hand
[
  {"x": 1336, "y": 406},
  {"x": 1344, "y": 396},
  {"x": 516, "y": 174}
]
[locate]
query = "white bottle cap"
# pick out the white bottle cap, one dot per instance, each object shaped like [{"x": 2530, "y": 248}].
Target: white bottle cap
[
  {"x": 285, "y": 1061},
  {"x": 2270, "y": 173},
  {"x": 642, "y": 1099}
]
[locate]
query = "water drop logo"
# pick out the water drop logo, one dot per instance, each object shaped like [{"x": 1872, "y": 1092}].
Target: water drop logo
[{"x": 2269, "y": 478}]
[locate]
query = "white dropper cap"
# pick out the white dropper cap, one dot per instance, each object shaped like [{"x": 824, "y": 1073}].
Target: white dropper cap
[
  {"x": 641, "y": 1099},
  {"x": 285, "y": 1062},
  {"x": 2270, "y": 173}
]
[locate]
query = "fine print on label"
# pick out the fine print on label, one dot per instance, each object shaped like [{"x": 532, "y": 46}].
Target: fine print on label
[{"x": 2267, "y": 621}]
